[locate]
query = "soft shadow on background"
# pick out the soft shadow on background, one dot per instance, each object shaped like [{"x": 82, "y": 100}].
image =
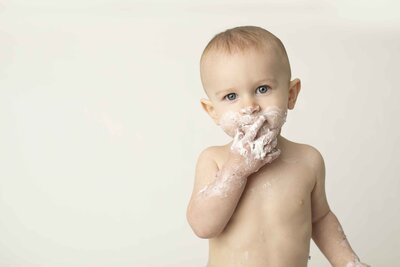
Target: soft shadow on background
[{"x": 101, "y": 124}]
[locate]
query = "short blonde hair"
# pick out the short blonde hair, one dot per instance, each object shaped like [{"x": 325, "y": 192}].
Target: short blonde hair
[{"x": 241, "y": 38}]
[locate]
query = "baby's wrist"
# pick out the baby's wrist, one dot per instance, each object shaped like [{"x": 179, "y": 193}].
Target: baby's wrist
[{"x": 236, "y": 167}]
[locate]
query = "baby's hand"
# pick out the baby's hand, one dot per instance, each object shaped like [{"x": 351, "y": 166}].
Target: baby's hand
[
  {"x": 249, "y": 153},
  {"x": 357, "y": 263}
]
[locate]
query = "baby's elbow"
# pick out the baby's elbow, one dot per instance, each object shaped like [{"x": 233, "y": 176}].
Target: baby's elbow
[
  {"x": 204, "y": 233},
  {"x": 201, "y": 229}
]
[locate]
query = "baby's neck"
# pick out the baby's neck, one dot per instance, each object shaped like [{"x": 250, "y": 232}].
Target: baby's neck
[{"x": 281, "y": 142}]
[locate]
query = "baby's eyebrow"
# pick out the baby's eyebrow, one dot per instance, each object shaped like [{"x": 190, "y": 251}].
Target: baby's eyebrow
[{"x": 268, "y": 80}]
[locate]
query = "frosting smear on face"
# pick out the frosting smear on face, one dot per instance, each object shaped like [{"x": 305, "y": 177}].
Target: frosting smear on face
[{"x": 241, "y": 124}]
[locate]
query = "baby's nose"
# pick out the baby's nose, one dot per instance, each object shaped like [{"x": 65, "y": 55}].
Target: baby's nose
[{"x": 250, "y": 110}]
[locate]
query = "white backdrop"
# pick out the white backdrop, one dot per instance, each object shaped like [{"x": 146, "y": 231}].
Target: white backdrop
[{"x": 101, "y": 123}]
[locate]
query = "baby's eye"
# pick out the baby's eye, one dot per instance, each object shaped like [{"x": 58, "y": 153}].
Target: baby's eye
[
  {"x": 262, "y": 89},
  {"x": 231, "y": 96}
]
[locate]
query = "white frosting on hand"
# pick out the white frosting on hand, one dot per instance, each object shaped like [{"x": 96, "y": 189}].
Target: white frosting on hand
[
  {"x": 255, "y": 140},
  {"x": 255, "y": 135},
  {"x": 224, "y": 182}
]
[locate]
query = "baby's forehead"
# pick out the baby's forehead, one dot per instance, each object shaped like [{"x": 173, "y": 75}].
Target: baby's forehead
[
  {"x": 222, "y": 68},
  {"x": 219, "y": 63},
  {"x": 220, "y": 56}
]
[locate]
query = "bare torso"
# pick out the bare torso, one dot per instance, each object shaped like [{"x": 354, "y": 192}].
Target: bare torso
[{"x": 271, "y": 226}]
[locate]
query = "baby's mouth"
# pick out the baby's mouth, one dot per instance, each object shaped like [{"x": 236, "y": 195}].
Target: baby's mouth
[{"x": 232, "y": 122}]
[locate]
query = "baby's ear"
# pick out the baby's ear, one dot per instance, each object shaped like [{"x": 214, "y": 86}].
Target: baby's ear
[
  {"x": 209, "y": 108},
  {"x": 294, "y": 89}
]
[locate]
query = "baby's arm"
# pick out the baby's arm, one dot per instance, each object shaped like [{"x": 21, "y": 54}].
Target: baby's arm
[
  {"x": 215, "y": 195},
  {"x": 217, "y": 192},
  {"x": 327, "y": 232}
]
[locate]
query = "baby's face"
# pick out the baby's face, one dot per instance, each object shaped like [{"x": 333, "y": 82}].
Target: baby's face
[{"x": 243, "y": 86}]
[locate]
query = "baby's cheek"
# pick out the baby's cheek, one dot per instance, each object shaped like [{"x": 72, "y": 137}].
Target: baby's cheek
[
  {"x": 229, "y": 123},
  {"x": 276, "y": 117},
  {"x": 229, "y": 128}
]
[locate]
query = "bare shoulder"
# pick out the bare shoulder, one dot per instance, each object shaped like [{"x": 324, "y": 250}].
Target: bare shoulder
[
  {"x": 208, "y": 160},
  {"x": 308, "y": 155},
  {"x": 314, "y": 158},
  {"x": 217, "y": 154},
  {"x": 312, "y": 155},
  {"x": 210, "y": 153}
]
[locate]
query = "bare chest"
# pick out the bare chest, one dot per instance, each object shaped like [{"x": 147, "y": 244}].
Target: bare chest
[
  {"x": 277, "y": 199},
  {"x": 271, "y": 225},
  {"x": 278, "y": 193}
]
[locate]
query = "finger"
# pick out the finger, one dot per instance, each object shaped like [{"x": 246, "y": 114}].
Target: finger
[
  {"x": 238, "y": 135},
  {"x": 237, "y": 144},
  {"x": 275, "y": 152},
  {"x": 253, "y": 129},
  {"x": 269, "y": 147},
  {"x": 260, "y": 144},
  {"x": 263, "y": 139},
  {"x": 272, "y": 156},
  {"x": 266, "y": 137}
]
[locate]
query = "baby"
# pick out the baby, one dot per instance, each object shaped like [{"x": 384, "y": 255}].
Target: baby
[{"x": 260, "y": 198}]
